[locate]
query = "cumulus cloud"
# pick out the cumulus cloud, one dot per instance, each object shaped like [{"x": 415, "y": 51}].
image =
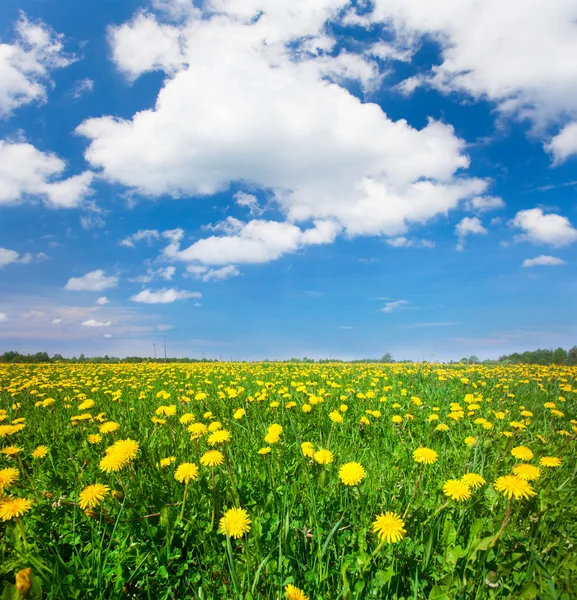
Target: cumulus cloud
[
  {"x": 394, "y": 305},
  {"x": 107, "y": 336},
  {"x": 405, "y": 242},
  {"x": 25, "y": 65},
  {"x": 543, "y": 260},
  {"x": 95, "y": 281},
  {"x": 485, "y": 203},
  {"x": 541, "y": 228},
  {"x": 163, "y": 296},
  {"x": 95, "y": 323},
  {"x": 248, "y": 201},
  {"x": 564, "y": 144},
  {"x": 150, "y": 235},
  {"x": 57, "y": 321},
  {"x": 468, "y": 226},
  {"x": 206, "y": 274},
  {"x": 28, "y": 173},
  {"x": 102, "y": 301},
  {"x": 166, "y": 273}
]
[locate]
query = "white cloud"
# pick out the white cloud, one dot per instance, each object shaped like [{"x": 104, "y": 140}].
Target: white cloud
[
  {"x": 564, "y": 144},
  {"x": 95, "y": 323},
  {"x": 147, "y": 235},
  {"x": 25, "y": 65},
  {"x": 253, "y": 242},
  {"x": 485, "y": 203},
  {"x": 166, "y": 273},
  {"x": 275, "y": 119},
  {"x": 405, "y": 242},
  {"x": 95, "y": 281},
  {"x": 248, "y": 201},
  {"x": 81, "y": 87},
  {"x": 393, "y": 305},
  {"x": 26, "y": 172},
  {"x": 102, "y": 301},
  {"x": 164, "y": 296},
  {"x": 543, "y": 260},
  {"x": 56, "y": 321},
  {"x": 541, "y": 228},
  {"x": 468, "y": 226},
  {"x": 3, "y": 317},
  {"x": 207, "y": 274},
  {"x": 107, "y": 336},
  {"x": 8, "y": 257}
]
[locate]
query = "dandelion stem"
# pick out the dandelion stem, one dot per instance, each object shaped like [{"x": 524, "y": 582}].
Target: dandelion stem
[
  {"x": 183, "y": 500},
  {"x": 504, "y": 524},
  {"x": 415, "y": 490}
]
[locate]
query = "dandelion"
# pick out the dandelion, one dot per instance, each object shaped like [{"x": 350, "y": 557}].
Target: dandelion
[
  {"x": 306, "y": 408},
  {"x": 550, "y": 461},
  {"x": 425, "y": 456},
  {"x": 40, "y": 452},
  {"x": 235, "y": 523},
  {"x": 522, "y": 453},
  {"x": 119, "y": 455},
  {"x": 165, "y": 462},
  {"x": 23, "y": 582},
  {"x": 272, "y": 438},
  {"x": 335, "y": 416},
  {"x": 12, "y": 450},
  {"x": 308, "y": 449},
  {"x": 186, "y": 472},
  {"x": 265, "y": 450},
  {"x": 397, "y": 419},
  {"x": 109, "y": 427},
  {"x": 219, "y": 437},
  {"x": 527, "y": 472},
  {"x": 94, "y": 438},
  {"x": 93, "y": 495},
  {"x": 239, "y": 414},
  {"x": 7, "y": 478},
  {"x": 442, "y": 427},
  {"x": 11, "y": 508},
  {"x": 197, "y": 430},
  {"x": 473, "y": 480},
  {"x": 457, "y": 490},
  {"x": 215, "y": 426},
  {"x": 186, "y": 418},
  {"x": 389, "y": 527},
  {"x": 470, "y": 441},
  {"x": 512, "y": 486},
  {"x": 352, "y": 473},
  {"x": 323, "y": 457},
  {"x": 294, "y": 593},
  {"x": 212, "y": 458}
]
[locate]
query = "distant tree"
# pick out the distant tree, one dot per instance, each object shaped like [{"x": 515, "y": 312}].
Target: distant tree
[
  {"x": 572, "y": 356},
  {"x": 387, "y": 358},
  {"x": 473, "y": 360},
  {"x": 559, "y": 356}
]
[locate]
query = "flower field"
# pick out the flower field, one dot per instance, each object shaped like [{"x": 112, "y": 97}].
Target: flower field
[{"x": 297, "y": 481}]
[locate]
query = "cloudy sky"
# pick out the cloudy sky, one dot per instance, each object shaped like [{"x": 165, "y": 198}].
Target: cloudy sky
[{"x": 252, "y": 179}]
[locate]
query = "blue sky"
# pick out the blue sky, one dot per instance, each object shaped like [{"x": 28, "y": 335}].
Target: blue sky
[{"x": 253, "y": 179}]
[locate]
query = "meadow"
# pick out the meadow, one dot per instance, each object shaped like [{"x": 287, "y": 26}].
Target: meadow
[{"x": 273, "y": 480}]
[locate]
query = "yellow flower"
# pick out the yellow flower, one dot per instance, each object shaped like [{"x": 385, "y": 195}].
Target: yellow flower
[
  {"x": 306, "y": 408},
  {"x": 323, "y": 457},
  {"x": 212, "y": 458},
  {"x": 522, "y": 453},
  {"x": 335, "y": 416},
  {"x": 473, "y": 480},
  {"x": 425, "y": 456},
  {"x": 186, "y": 472},
  {"x": 11, "y": 450},
  {"x": 271, "y": 438},
  {"x": 14, "y": 507},
  {"x": 219, "y": 437},
  {"x": 352, "y": 473},
  {"x": 550, "y": 461},
  {"x": 40, "y": 452},
  {"x": 512, "y": 486},
  {"x": 470, "y": 441},
  {"x": 7, "y": 478},
  {"x": 197, "y": 430},
  {"x": 457, "y": 490},
  {"x": 94, "y": 438},
  {"x": 239, "y": 414},
  {"x": 235, "y": 522},
  {"x": 186, "y": 418},
  {"x": 93, "y": 495},
  {"x": 215, "y": 426},
  {"x": 308, "y": 449},
  {"x": 23, "y": 582},
  {"x": 397, "y": 419},
  {"x": 527, "y": 472},
  {"x": 265, "y": 450},
  {"x": 294, "y": 593},
  {"x": 119, "y": 455},
  {"x": 442, "y": 427},
  {"x": 165, "y": 462},
  {"x": 389, "y": 527}
]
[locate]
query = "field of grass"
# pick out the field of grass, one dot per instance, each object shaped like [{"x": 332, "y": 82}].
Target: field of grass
[{"x": 107, "y": 490}]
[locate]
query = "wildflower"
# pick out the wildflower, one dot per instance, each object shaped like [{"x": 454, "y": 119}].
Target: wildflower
[
  {"x": 93, "y": 495},
  {"x": 40, "y": 452},
  {"x": 442, "y": 427},
  {"x": 473, "y": 480},
  {"x": 397, "y": 419},
  {"x": 308, "y": 449},
  {"x": 352, "y": 473},
  {"x": 306, "y": 408},
  {"x": 335, "y": 416},
  {"x": 294, "y": 593},
  {"x": 14, "y": 507},
  {"x": 512, "y": 486},
  {"x": 522, "y": 453},
  {"x": 457, "y": 490},
  {"x": 470, "y": 441},
  {"x": 235, "y": 523},
  {"x": 212, "y": 458},
  {"x": 186, "y": 418},
  {"x": 550, "y": 461},
  {"x": 425, "y": 456},
  {"x": 219, "y": 437},
  {"x": 158, "y": 421},
  {"x": 186, "y": 472},
  {"x": 272, "y": 438},
  {"x": 7, "y": 478},
  {"x": 23, "y": 582},
  {"x": 527, "y": 472},
  {"x": 389, "y": 527},
  {"x": 109, "y": 427},
  {"x": 239, "y": 414},
  {"x": 265, "y": 450},
  {"x": 119, "y": 455},
  {"x": 197, "y": 430},
  {"x": 165, "y": 462},
  {"x": 94, "y": 438},
  {"x": 215, "y": 426},
  {"x": 323, "y": 457},
  {"x": 11, "y": 450}
]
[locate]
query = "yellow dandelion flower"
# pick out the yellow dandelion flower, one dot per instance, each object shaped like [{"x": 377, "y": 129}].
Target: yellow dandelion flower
[
  {"x": 11, "y": 508},
  {"x": 442, "y": 427},
  {"x": 109, "y": 427},
  {"x": 219, "y": 437},
  {"x": 425, "y": 456},
  {"x": 265, "y": 450},
  {"x": 389, "y": 527},
  {"x": 40, "y": 452},
  {"x": 522, "y": 453},
  {"x": 470, "y": 441},
  {"x": 197, "y": 430},
  {"x": 306, "y": 408},
  {"x": 23, "y": 582},
  {"x": 166, "y": 462},
  {"x": 271, "y": 438},
  {"x": 215, "y": 426},
  {"x": 294, "y": 593},
  {"x": 235, "y": 523},
  {"x": 323, "y": 457},
  {"x": 212, "y": 458},
  {"x": 186, "y": 472},
  {"x": 335, "y": 416},
  {"x": 457, "y": 489},
  {"x": 352, "y": 473},
  {"x": 550, "y": 461},
  {"x": 93, "y": 495},
  {"x": 308, "y": 449},
  {"x": 239, "y": 414},
  {"x": 186, "y": 418},
  {"x": 94, "y": 438},
  {"x": 512, "y": 486},
  {"x": 397, "y": 419},
  {"x": 8, "y": 477},
  {"x": 527, "y": 472},
  {"x": 473, "y": 480},
  {"x": 12, "y": 450}
]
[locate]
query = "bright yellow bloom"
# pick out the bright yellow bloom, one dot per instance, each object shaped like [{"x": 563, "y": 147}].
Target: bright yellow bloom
[
  {"x": 94, "y": 438},
  {"x": 40, "y": 452},
  {"x": 442, "y": 427},
  {"x": 389, "y": 527},
  {"x": 11, "y": 508},
  {"x": 212, "y": 458},
  {"x": 197, "y": 430},
  {"x": 219, "y": 437},
  {"x": 397, "y": 419},
  {"x": 522, "y": 453},
  {"x": 457, "y": 489},
  {"x": 165, "y": 462},
  {"x": 308, "y": 449},
  {"x": 335, "y": 416},
  {"x": 272, "y": 438},
  {"x": 473, "y": 480},
  {"x": 550, "y": 461},
  {"x": 12, "y": 450},
  {"x": 239, "y": 414},
  {"x": 23, "y": 582},
  {"x": 93, "y": 495},
  {"x": 294, "y": 593},
  {"x": 186, "y": 472},
  {"x": 352, "y": 473},
  {"x": 186, "y": 418},
  {"x": 306, "y": 408},
  {"x": 215, "y": 426},
  {"x": 119, "y": 455},
  {"x": 7, "y": 478},
  {"x": 265, "y": 450},
  {"x": 512, "y": 486},
  {"x": 527, "y": 472},
  {"x": 425, "y": 456},
  {"x": 323, "y": 457},
  {"x": 235, "y": 522}
]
